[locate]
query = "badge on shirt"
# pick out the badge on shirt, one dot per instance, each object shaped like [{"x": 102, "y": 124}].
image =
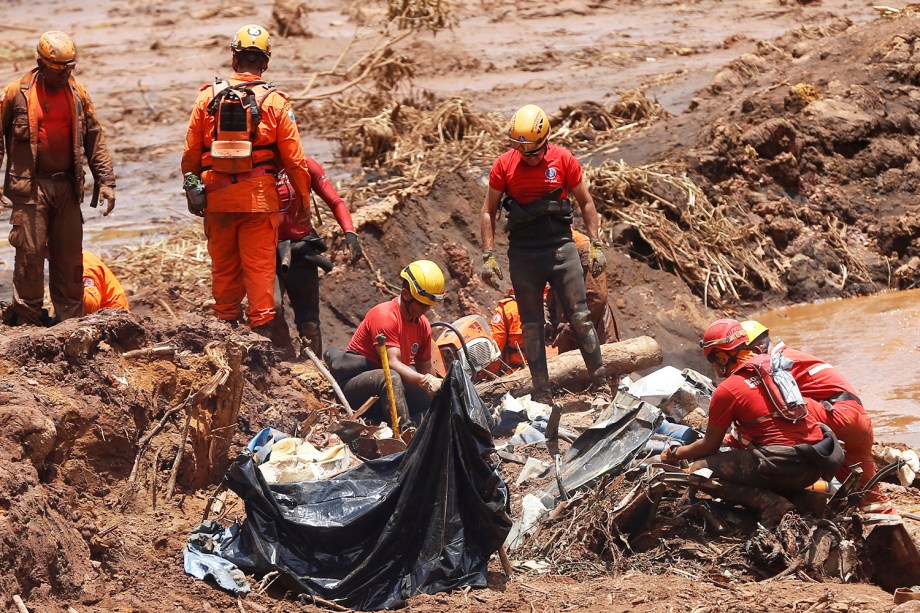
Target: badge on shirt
[
  {"x": 551, "y": 173},
  {"x": 497, "y": 318},
  {"x": 414, "y": 349},
  {"x": 88, "y": 282}
]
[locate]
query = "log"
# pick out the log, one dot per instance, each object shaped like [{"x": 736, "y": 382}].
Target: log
[{"x": 568, "y": 369}]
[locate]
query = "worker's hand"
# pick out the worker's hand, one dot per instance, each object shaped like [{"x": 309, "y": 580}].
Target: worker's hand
[
  {"x": 107, "y": 194},
  {"x": 596, "y": 258},
  {"x": 669, "y": 455},
  {"x": 490, "y": 269},
  {"x": 353, "y": 246},
  {"x": 431, "y": 383},
  {"x": 194, "y": 210}
]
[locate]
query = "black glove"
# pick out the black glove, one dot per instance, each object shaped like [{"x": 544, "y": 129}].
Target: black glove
[{"x": 353, "y": 246}]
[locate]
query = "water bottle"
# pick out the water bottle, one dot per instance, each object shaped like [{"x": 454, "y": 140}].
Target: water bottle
[{"x": 194, "y": 192}]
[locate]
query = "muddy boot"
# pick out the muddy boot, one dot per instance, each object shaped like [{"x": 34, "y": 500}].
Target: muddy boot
[
  {"x": 535, "y": 350},
  {"x": 265, "y": 330},
  {"x": 311, "y": 336},
  {"x": 591, "y": 353}
]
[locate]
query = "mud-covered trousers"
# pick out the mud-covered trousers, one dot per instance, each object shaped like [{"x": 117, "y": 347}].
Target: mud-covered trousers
[
  {"x": 50, "y": 227},
  {"x": 411, "y": 402},
  {"x": 301, "y": 282},
  {"x": 242, "y": 249},
  {"x": 531, "y": 269}
]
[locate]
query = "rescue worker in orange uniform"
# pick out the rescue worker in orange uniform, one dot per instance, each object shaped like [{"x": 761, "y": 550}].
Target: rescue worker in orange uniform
[
  {"x": 237, "y": 151},
  {"x": 48, "y": 125},
  {"x": 837, "y": 406},
  {"x": 101, "y": 289},
  {"x": 505, "y": 326},
  {"x": 532, "y": 182},
  {"x": 301, "y": 279},
  {"x": 781, "y": 456},
  {"x": 560, "y": 333},
  {"x": 359, "y": 371}
]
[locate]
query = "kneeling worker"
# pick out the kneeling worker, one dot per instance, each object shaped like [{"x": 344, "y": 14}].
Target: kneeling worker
[
  {"x": 101, "y": 290},
  {"x": 402, "y": 321},
  {"x": 782, "y": 453}
]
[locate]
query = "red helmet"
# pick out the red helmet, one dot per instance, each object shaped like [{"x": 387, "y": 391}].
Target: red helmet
[{"x": 723, "y": 335}]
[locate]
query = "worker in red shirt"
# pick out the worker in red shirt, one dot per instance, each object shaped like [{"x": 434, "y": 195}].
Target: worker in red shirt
[
  {"x": 358, "y": 370},
  {"x": 532, "y": 182},
  {"x": 240, "y": 134},
  {"x": 781, "y": 455},
  {"x": 101, "y": 289},
  {"x": 301, "y": 279},
  {"x": 837, "y": 406}
]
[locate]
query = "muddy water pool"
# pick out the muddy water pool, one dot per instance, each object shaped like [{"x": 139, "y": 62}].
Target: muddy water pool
[{"x": 875, "y": 342}]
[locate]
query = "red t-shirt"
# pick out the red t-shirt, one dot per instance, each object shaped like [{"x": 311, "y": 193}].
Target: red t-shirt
[
  {"x": 55, "y": 129},
  {"x": 742, "y": 400},
  {"x": 412, "y": 338},
  {"x": 511, "y": 175},
  {"x": 816, "y": 378}
]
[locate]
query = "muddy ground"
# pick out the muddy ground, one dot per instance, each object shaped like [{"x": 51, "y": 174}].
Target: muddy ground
[{"x": 795, "y": 121}]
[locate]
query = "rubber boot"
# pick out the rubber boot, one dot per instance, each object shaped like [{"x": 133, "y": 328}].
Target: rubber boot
[
  {"x": 535, "y": 350},
  {"x": 311, "y": 336},
  {"x": 590, "y": 348},
  {"x": 265, "y": 330}
]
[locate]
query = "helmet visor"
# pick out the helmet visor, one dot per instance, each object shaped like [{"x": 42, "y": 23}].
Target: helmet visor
[{"x": 528, "y": 148}]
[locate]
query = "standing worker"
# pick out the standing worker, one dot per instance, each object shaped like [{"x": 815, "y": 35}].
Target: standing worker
[
  {"x": 359, "y": 369},
  {"x": 48, "y": 125},
  {"x": 561, "y": 335},
  {"x": 241, "y": 132},
  {"x": 101, "y": 289},
  {"x": 535, "y": 179},
  {"x": 780, "y": 454},
  {"x": 301, "y": 279},
  {"x": 838, "y": 407}
]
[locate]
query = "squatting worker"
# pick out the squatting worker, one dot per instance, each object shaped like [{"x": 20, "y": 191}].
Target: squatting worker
[
  {"x": 505, "y": 326},
  {"x": 301, "y": 279},
  {"x": 532, "y": 182},
  {"x": 241, "y": 132},
  {"x": 359, "y": 371},
  {"x": 559, "y": 330},
  {"x": 779, "y": 455},
  {"x": 101, "y": 288},
  {"x": 48, "y": 125},
  {"x": 837, "y": 406}
]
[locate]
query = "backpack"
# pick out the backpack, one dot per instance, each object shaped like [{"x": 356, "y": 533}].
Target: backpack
[
  {"x": 774, "y": 373},
  {"x": 237, "y": 112}
]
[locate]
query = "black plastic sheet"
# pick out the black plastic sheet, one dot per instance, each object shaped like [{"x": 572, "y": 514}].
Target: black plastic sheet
[{"x": 425, "y": 520}]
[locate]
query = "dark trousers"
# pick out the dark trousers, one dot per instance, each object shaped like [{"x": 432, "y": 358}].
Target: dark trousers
[
  {"x": 301, "y": 282},
  {"x": 532, "y": 268},
  {"x": 411, "y": 401},
  {"x": 743, "y": 467}
]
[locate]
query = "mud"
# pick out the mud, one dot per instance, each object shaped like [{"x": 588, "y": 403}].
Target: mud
[{"x": 800, "y": 112}]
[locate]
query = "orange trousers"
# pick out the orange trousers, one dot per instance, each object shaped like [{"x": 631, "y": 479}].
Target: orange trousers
[
  {"x": 242, "y": 248},
  {"x": 853, "y": 428}
]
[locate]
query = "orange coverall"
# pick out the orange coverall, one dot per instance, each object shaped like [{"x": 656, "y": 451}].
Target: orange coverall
[
  {"x": 506, "y": 330},
  {"x": 101, "y": 290},
  {"x": 241, "y": 220}
]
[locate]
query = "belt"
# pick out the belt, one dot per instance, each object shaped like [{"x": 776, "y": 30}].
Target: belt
[
  {"x": 219, "y": 180},
  {"x": 830, "y": 402},
  {"x": 54, "y": 176}
]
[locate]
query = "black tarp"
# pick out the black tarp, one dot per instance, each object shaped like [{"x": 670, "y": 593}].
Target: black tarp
[{"x": 422, "y": 521}]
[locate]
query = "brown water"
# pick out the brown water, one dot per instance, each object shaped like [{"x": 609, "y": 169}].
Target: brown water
[{"x": 875, "y": 342}]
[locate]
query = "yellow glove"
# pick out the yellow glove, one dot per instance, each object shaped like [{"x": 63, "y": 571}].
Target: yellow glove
[
  {"x": 431, "y": 383},
  {"x": 107, "y": 194},
  {"x": 490, "y": 269},
  {"x": 597, "y": 261}
]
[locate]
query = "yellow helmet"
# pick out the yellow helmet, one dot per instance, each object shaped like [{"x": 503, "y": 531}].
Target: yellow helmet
[
  {"x": 529, "y": 129},
  {"x": 252, "y": 37},
  {"x": 758, "y": 335},
  {"x": 56, "y": 49},
  {"x": 425, "y": 281}
]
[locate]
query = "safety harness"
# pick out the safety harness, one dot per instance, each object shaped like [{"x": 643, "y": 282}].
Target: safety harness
[
  {"x": 551, "y": 206},
  {"x": 237, "y": 112}
]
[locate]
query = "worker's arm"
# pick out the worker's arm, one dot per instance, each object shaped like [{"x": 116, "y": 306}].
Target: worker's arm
[
  {"x": 194, "y": 142},
  {"x": 588, "y": 210},
  {"x": 6, "y": 115},
  {"x": 487, "y": 218},
  {"x": 324, "y": 188},
  {"x": 409, "y": 375},
  {"x": 706, "y": 446},
  {"x": 287, "y": 139}
]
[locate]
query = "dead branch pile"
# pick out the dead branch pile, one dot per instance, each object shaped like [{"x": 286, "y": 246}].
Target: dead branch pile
[
  {"x": 714, "y": 247},
  {"x": 590, "y": 124},
  {"x": 180, "y": 259},
  {"x": 431, "y": 15}
]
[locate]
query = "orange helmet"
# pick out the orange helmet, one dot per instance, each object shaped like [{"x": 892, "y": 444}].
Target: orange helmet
[
  {"x": 723, "y": 335},
  {"x": 252, "y": 37},
  {"x": 529, "y": 129},
  {"x": 57, "y": 50}
]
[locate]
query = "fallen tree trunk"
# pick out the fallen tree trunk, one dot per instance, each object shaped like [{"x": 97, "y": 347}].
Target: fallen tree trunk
[{"x": 568, "y": 369}]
